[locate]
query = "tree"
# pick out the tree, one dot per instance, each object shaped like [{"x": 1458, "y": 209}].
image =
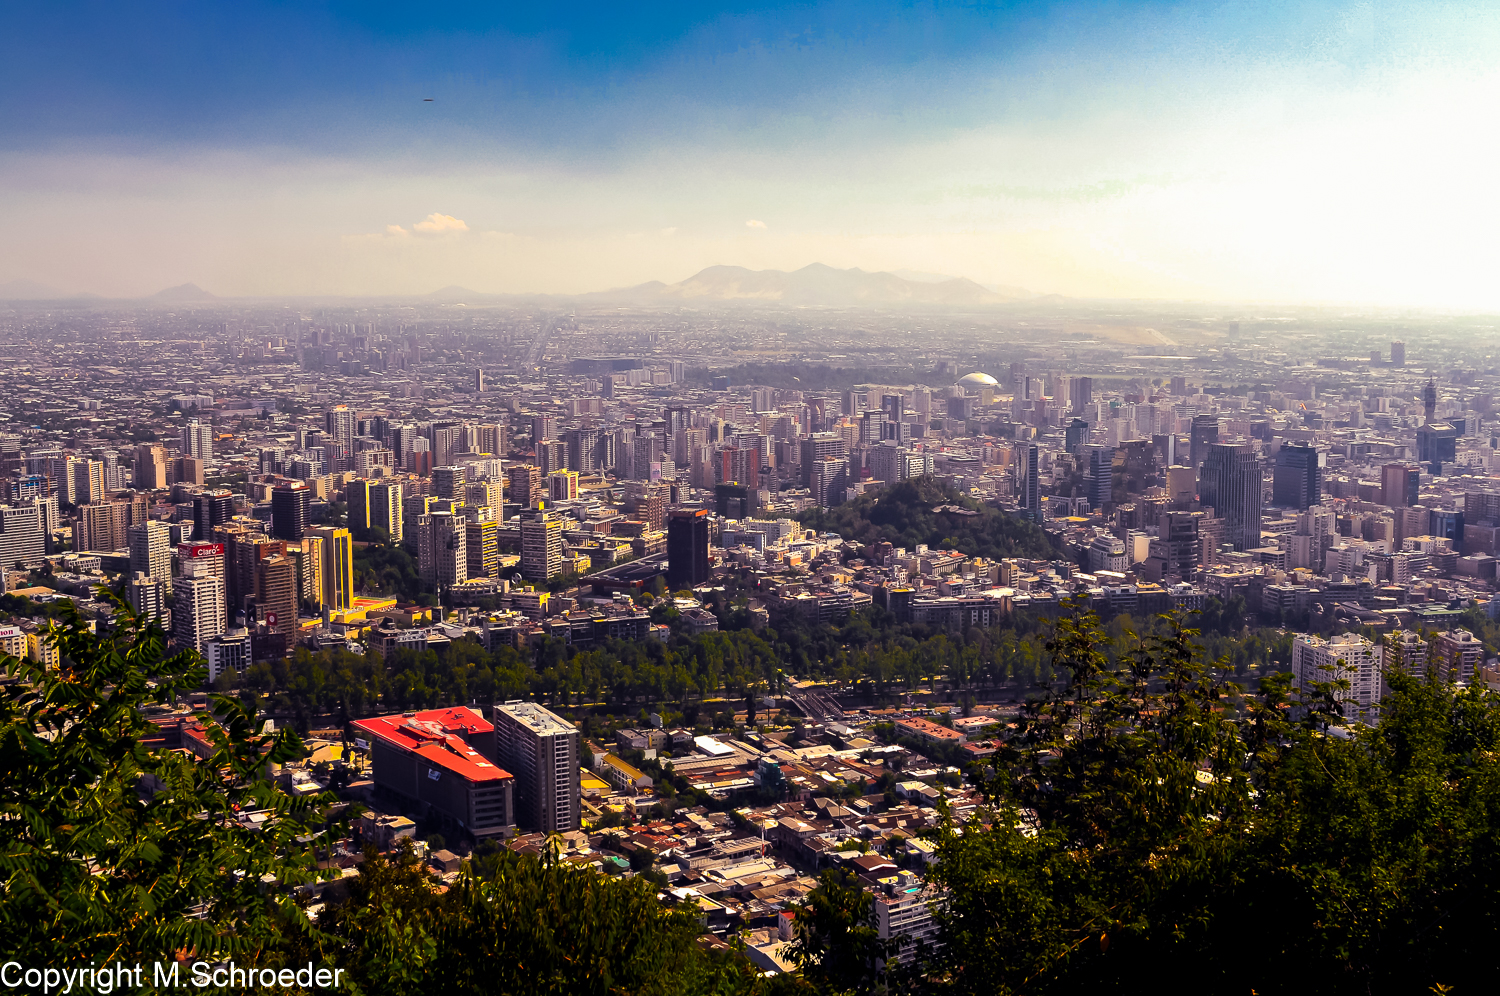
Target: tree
[
  {"x": 122, "y": 852},
  {"x": 837, "y": 946}
]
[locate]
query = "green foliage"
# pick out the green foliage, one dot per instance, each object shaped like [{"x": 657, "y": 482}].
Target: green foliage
[
  {"x": 514, "y": 923},
  {"x": 1152, "y": 823},
  {"x": 903, "y": 515},
  {"x": 111, "y": 850},
  {"x": 837, "y": 945},
  {"x": 385, "y": 569}
]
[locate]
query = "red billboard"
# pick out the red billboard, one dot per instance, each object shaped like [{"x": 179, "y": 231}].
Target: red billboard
[{"x": 196, "y": 550}]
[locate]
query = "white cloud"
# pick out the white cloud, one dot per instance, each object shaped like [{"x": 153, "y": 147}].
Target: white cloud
[
  {"x": 667, "y": 232},
  {"x": 752, "y": 223},
  {"x": 440, "y": 223},
  {"x": 395, "y": 230}
]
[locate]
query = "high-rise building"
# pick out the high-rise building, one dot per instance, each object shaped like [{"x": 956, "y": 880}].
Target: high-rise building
[
  {"x": 442, "y": 550},
  {"x": 150, "y": 467},
  {"x": 291, "y": 510},
  {"x": 1230, "y": 483},
  {"x": 478, "y": 380},
  {"x": 1400, "y": 485},
  {"x": 820, "y": 446},
  {"x": 541, "y": 545},
  {"x": 276, "y": 596},
  {"x": 198, "y": 440},
  {"x": 541, "y": 749},
  {"x": 197, "y": 611},
  {"x": 88, "y": 481},
  {"x": 385, "y": 509},
  {"x": 148, "y": 596},
  {"x": 337, "y": 566},
  {"x": 1075, "y": 435},
  {"x": 562, "y": 485},
  {"x": 101, "y": 526},
  {"x": 525, "y": 484},
  {"x": 23, "y": 540},
  {"x": 1098, "y": 474},
  {"x": 687, "y": 548},
  {"x": 448, "y": 482},
  {"x": 1297, "y": 481},
  {"x": 828, "y": 480},
  {"x": 1205, "y": 433},
  {"x": 1348, "y": 657},
  {"x": 1398, "y": 353},
  {"x": 482, "y": 544},
  {"x": 1028, "y": 479},
  {"x": 340, "y": 424},
  {"x": 485, "y": 494},
  {"x": 551, "y": 455},
  {"x": 583, "y": 450},
  {"x": 151, "y": 549},
  {"x": 1456, "y": 655},
  {"x": 492, "y": 439},
  {"x": 210, "y": 510},
  {"x": 357, "y": 506}
]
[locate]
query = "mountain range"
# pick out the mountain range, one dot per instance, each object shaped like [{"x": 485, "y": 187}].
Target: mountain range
[{"x": 816, "y": 285}]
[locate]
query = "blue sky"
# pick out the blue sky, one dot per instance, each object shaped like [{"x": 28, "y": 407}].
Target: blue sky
[{"x": 1246, "y": 151}]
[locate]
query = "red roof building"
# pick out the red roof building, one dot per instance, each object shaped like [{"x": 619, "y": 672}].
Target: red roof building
[{"x": 443, "y": 760}]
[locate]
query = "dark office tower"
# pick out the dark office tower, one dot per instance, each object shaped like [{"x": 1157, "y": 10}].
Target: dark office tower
[
  {"x": 1230, "y": 483},
  {"x": 1082, "y": 391},
  {"x": 679, "y": 419},
  {"x": 1429, "y": 400},
  {"x": 1400, "y": 485},
  {"x": 1398, "y": 353},
  {"x": 687, "y": 548},
  {"x": 357, "y": 507},
  {"x": 290, "y": 510},
  {"x": 894, "y": 406},
  {"x": 734, "y": 501},
  {"x": 478, "y": 380},
  {"x": 1298, "y": 478},
  {"x": 1098, "y": 475},
  {"x": 1075, "y": 435},
  {"x": 1028, "y": 481},
  {"x": 1205, "y": 434},
  {"x": 583, "y": 450},
  {"x": 210, "y": 509}
]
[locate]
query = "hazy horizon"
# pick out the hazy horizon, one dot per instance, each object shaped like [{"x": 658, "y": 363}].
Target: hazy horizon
[{"x": 1296, "y": 154}]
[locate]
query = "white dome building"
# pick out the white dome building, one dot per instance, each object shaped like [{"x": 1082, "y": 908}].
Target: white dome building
[{"x": 978, "y": 383}]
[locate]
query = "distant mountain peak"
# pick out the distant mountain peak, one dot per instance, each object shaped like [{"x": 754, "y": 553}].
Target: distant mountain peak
[
  {"x": 185, "y": 292},
  {"x": 819, "y": 285}
]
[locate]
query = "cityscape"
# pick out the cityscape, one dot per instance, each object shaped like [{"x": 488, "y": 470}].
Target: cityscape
[{"x": 917, "y": 597}]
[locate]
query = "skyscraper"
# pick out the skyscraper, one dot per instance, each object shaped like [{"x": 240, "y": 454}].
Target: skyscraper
[
  {"x": 541, "y": 749},
  {"x": 291, "y": 510},
  {"x": 525, "y": 484},
  {"x": 687, "y": 548},
  {"x": 198, "y": 440},
  {"x": 1230, "y": 483},
  {"x": 88, "y": 481},
  {"x": 1400, "y": 484},
  {"x": 357, "y": 506},
  {"x": 151, "y": 549},
  {"x": 385, "y": 509},
  {"x": 210, "y": 509},
  {"x": 1205, "y": 433},
  {"x": 541, "y": 545},
  {"x": 448, "y": 482},
  {"x": 442, "y": 553},
  {"x": 337, "y": 566},
  {"x": 1297, "y": 481},
  {"x": 1398, "y": 353},
  {"x": 479, "y": 380},
  {"x": 1028, "y": 480}
]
